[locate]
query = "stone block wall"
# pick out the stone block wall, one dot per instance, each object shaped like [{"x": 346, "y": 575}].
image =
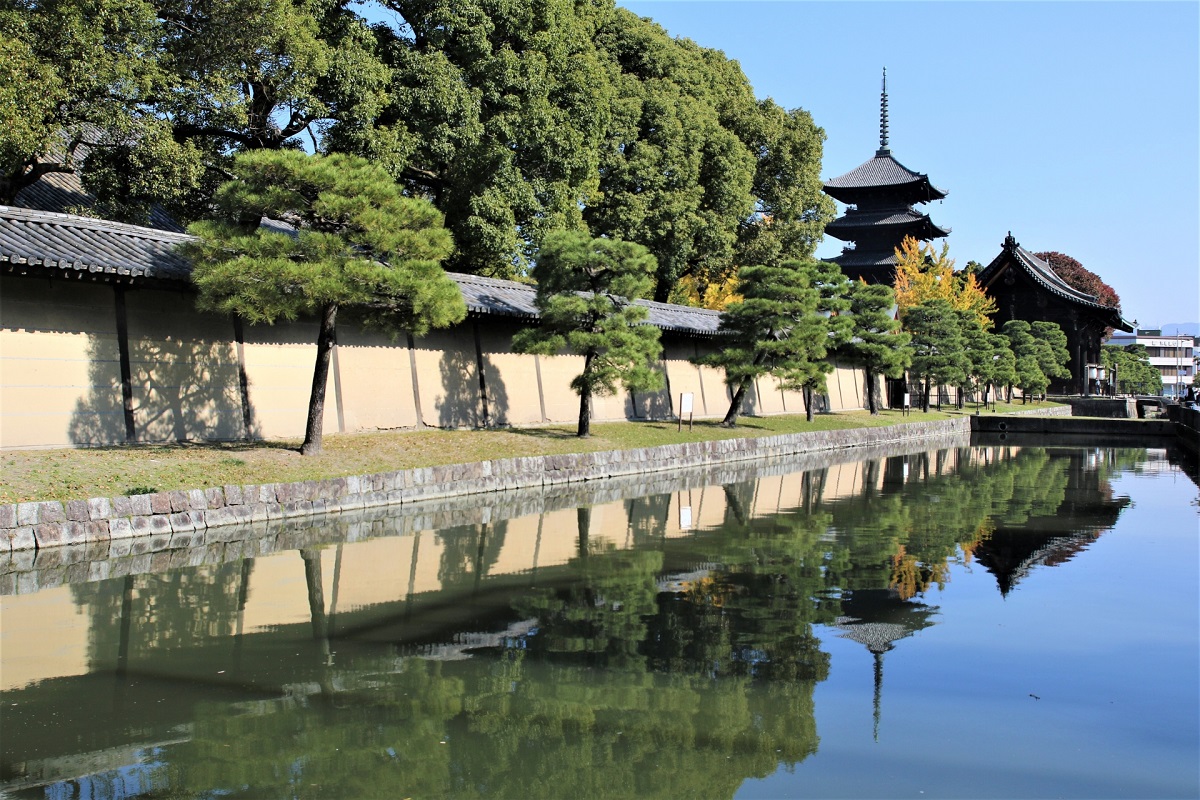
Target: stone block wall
[{"x": 180, "y": 519}]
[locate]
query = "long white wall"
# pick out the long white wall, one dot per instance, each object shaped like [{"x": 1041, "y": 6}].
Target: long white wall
[{"x": 65, "y": 348}]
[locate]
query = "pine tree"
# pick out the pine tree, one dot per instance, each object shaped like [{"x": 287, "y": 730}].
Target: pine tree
[
  {"x": 877, "y": 344},
  {"x": 833, "y": 303},
  {"x": 1004, "y": 369},
  {"x": 977, "y": 348},
  {"x": 937, "y": 343},
  {"x": 1053, "y": 353},
  {"x": 775, "y": 329},
  {"x": 1029, "y": 376},
  {"x": 355, "y": 241},
  {"x": 585, "y": 293}
]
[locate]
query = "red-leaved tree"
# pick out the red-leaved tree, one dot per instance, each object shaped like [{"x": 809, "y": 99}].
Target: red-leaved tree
[{"x": 1079, "y": 277}]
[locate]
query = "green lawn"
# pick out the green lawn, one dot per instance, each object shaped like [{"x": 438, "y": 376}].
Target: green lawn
[{"x": 70, "y": 474}]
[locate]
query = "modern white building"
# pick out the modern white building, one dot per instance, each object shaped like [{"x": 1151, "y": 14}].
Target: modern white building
[{"x": 1173, "y": 355}]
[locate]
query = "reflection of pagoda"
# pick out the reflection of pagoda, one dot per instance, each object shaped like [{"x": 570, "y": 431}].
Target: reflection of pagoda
[
  {"x": 877, "y": 618},
  {"x": 1051, "y": 539},
  {"x": 879, "y": 197}
]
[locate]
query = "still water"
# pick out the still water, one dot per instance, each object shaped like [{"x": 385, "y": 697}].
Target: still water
[{"x": 987, "y": 621}]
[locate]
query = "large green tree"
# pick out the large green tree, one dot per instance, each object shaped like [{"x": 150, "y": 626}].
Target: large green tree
[
  {"x": 77, "y": 82},
  {"x": 496, "y": 112},
  {"x": 148, "y": 100},
  {"x": 877, "y": 343},
  {"x": 586, "y": 290},
  {"x": 774, "y": 329},
  {"x": 697, "y": 169},
  {"x": 354, "y": 241}
]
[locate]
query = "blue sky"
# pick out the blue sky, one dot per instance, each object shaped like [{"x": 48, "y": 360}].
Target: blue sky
[{"x": 1072, "y": 124}]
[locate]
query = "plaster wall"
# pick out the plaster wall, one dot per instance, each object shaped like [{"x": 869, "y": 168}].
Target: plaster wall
[
  {"x": 195, "y": 376},
  {"x": 60, "y": 375}
]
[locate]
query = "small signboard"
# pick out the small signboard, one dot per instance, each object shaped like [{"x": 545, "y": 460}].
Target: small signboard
[
  {"x": 685, "y": 518},
  {"x": 685, "y": 407}
]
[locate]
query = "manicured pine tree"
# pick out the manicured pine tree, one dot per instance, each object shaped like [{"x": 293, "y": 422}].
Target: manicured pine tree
[
  {"x": 585, "y": 293},
  {"x": 1053, "y": 352},
  {"x": 354, "y": 240},
  {"x": 937, "y": 343},
  {"x": 833, "y": 303},
  {"x": 1004, "y": 369},
  {"x": 978, "y": 351},
  {"x": 774, "y": 329},
  {"x": 1029, "y": 376},
  {"x": 877, "y": 343}
]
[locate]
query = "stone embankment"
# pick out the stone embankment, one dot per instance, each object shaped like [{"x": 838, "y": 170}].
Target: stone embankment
[{"x": 182, "y": 518}]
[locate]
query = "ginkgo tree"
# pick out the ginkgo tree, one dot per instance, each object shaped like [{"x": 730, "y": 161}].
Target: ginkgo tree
[{"x": 923, "y": 274}]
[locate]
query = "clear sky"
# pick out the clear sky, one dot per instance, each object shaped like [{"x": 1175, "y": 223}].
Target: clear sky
[{"x": 1075, "y": 125}]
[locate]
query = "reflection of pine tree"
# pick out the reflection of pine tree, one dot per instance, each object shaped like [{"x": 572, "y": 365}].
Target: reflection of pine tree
[
  {"x": 158, "y": 611},
  {"x": 468, "y": 552}
]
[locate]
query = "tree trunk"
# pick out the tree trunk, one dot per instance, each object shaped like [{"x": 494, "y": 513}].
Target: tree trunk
[
  {"x": 735, "y": 406},
  {"x": 326, "y": 340},
  {"x": 872, "y": 405},
  {"x": 585, "y": 399},
  {"x": 925, "y": 397},
  {"x": 808, "y": 403}
]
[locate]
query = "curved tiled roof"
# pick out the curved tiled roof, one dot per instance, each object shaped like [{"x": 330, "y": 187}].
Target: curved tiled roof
[
  {"x": 86, "y": 245},
  {"x": 1041, "y": 273},
  {"x": 45, "y": 240},
  {"x": 881, "y": 171}
]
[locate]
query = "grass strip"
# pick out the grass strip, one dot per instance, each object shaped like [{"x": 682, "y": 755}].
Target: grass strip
[{"x": 74, "y": 474}]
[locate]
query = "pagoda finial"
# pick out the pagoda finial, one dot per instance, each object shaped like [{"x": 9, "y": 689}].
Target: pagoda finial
[{"x": 883, "y": 118}]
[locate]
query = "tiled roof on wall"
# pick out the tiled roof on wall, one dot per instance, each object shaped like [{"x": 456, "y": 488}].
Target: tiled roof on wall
[
  {"x": 83, "y": 245},
  {"x": 510, "y": 298},
  {"x": 34, "y": 242}
]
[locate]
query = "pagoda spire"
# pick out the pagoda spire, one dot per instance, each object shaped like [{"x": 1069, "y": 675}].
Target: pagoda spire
[{"x": 883, "y": 118}]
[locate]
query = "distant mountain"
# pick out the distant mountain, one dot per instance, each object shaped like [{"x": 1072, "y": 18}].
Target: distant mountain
[{"x": 1187, "y": 328}]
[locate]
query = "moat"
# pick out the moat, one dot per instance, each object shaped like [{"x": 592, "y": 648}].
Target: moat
[{"x": 1003, "y": 620}]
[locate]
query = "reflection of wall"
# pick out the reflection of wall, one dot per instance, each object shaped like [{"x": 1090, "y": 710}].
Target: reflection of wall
[
  {"x": 65, "y": 348},
  {"x": 43, "y": 628},
  {"x": 43, "y": 637}
]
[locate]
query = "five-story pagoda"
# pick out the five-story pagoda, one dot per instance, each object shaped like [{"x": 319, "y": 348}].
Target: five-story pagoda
[{"x": 879, "y": 196}]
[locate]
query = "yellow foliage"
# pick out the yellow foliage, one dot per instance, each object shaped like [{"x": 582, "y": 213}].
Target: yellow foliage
[
  {"x": 715, "y": 296},
  {"x": 923, "y": 274}
]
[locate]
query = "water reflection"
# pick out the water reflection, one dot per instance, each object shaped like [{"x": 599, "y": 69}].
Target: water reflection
[{"x": 663, "y": 644}]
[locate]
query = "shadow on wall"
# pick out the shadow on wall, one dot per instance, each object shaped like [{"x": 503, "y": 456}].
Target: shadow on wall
[
  {"x": 182, "y": 391},
  {"x": 463, "y": 404},
  {"x": 655, "y": 405}
]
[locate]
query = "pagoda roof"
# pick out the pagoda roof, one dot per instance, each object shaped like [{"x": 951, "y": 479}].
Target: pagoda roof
[
  {"x": 1013, "y": 256},
  {"x": 852, "y": 224},
  {"x": 882, "y": 172},
  {"x": 863, "y": 257}
]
